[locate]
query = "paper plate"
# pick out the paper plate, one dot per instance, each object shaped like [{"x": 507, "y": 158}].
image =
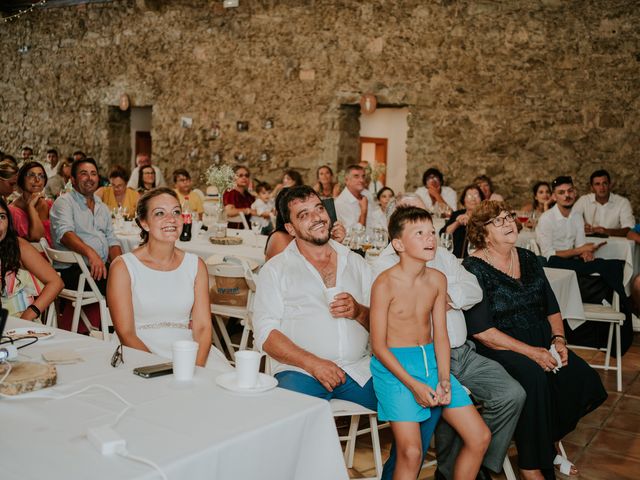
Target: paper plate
[
  {"x": 42, "y": 333},
  {"x": 229, "y": 381}
]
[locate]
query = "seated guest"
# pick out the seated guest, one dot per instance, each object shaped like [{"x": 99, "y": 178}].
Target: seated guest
[
  {"x": 8, "y": 178},
  {"x": 515, "y": 324},
  {"x": 491, "y": 386},
  {"x": 238, "y": 199},
  {"x": 30, "y": 210},
  {"x": 379, "y": 213},
  {"x": 144, "y": 160},
  {"x": 182, "y": 186},
  {"x": 561, "y": 237},
  {"x": 291, "y": 178},
  {"x": 56, "y": 184},
  {"x": 603, "y": 211},
  {"x": 29, "y": 284},
  {"x": 318, "y": 341},
  {"x": 264, "y": 207},
  {"x": 541, "y": 199},
  {"x": 456, "y": 226},
  {"x": 51, "y": 163},
  {"x": 279, "y": 239},
  {"x": 434, "y": 192},
  {"x": 117, "y": 194},
  {"x": 159, "y": 294},
  {"x": 486, "y": 187},
  {"x": 26, "y": 154},
  {"x": 353, "y": 206},
  {"x": 372, "y": 187},
  {"x": 80, "y": 222},
  {"x": 326, "y": 187},
  {"x": 147, "y": 179}
]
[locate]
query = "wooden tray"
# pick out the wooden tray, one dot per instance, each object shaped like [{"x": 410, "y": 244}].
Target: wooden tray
[
  {"x": 226, "y": 240},
  {"x": 28, "y": 377}
]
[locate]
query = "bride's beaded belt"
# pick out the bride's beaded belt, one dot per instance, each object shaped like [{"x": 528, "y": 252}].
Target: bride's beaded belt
[{"x": 149, "y": 326}]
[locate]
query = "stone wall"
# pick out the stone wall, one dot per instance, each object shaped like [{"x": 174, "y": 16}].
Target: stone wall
[{"x": 521, "y": 90}]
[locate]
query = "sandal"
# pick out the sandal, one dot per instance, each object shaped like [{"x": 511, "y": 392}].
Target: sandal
[{"x": 565, "y": 466}]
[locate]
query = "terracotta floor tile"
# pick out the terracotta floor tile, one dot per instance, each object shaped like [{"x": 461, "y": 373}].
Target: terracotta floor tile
[
  {"x": 581, "y": 436},
  {"x": 597, "y": 417},
  {"x": 602, "y": 466},
  {"x": 628, "y": 404},
  {"x": 616, "y": 442}
]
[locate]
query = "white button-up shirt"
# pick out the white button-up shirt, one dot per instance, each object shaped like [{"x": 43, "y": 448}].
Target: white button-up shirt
[
  {"x": 557, "y": 232},
  {"x": 616, "y": 213},
  {"x": 462, "y": 287},
  {"x": 290, "y": 298},
  {"x": 348, "y": 208},
  {"x": 448, "y": 195}
]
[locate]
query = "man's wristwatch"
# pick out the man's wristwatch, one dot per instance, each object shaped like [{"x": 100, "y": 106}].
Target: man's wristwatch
[
  {"x": 35, "y": 309},
  {"x": 561, "y": 337}
]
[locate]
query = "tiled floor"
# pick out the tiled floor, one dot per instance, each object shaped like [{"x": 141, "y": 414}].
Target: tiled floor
[{"x": 605, "y": 445}]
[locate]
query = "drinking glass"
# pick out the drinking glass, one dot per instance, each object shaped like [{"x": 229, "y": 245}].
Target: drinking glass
[
  {"x": 255, "y": 228},
  {"x": 446, "y": 240},
  {"x": 523, "y": 218},
  {"x": 470, "y": 248}
]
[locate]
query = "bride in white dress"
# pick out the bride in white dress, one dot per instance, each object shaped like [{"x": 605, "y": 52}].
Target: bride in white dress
[{"x": 158, "y": 294}]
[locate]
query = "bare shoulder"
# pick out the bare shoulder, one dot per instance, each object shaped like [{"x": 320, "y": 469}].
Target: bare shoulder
[{"x": 435, "y": 277}]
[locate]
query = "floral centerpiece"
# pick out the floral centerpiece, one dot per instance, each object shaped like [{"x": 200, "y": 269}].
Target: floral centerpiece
[{"x": 220, "y": 176}]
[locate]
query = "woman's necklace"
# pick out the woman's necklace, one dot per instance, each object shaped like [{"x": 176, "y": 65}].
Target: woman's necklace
[{"x": 489, "y": 260}]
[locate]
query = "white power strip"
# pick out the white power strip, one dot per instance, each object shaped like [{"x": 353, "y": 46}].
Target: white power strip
[{"x": 106, "y": 440}]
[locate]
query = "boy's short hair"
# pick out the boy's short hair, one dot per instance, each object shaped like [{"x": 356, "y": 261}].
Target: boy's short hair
[
  {"x": 561, "y": 180},
  {"x": 263, "y": 186},
  {"x": 180, "y": 172},
  {"x": 599, "y": 173},
  {"x": 404, "y": 215}
]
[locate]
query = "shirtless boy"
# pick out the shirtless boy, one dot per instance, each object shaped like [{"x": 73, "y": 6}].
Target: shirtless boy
[{"x": 407, "y": 379}]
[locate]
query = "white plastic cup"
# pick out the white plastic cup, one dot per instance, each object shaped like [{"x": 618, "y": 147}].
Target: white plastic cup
[
  {"x": 184, "y": 359},
  {"x": 247, "y": 368},
  {"x": 330, "y": 293}
]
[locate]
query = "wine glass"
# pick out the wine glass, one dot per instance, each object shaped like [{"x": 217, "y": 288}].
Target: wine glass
[
  {"x": 523, "y": 218},
  {"x": 255, "y": 228},
  {"x": 470, "y": 248},
  {"x": 446, "y": 240}
]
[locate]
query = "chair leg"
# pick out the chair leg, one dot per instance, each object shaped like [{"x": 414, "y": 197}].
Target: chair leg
[
  {"x": 244, "y": 341},
  {"x": 52, "y": 316},
  {"x": 216, "y": 340},
  {"x": 105, "y": 320},
  {"x": 618, "y": 358},
  {"x": 508, "y": 469},
  {"x": 77, "y": 310},
  {"x": 350, "y": 447},
  {"x": 225, "y": 337},
  {"x": 607, "y": 358},
  {"x": 85, "y": 320},
  {"x": 375, "y": 443}
]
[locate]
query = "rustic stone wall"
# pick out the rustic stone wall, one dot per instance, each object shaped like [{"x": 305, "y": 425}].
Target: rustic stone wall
[{"x": 521, "y": 90}]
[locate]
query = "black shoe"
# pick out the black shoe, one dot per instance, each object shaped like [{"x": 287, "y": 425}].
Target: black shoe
[
  {"x": 483, "y": 474},
  {"x": 437, "y": 475}
]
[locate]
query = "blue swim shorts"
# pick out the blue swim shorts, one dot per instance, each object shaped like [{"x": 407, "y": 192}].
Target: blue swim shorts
[{"x": 396, "y": 403}]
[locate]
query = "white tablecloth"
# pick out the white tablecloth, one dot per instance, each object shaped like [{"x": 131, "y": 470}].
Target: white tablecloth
[
  {"x": 252, "y": 247},
  {"x": 192, "y": 432},
  {"x": 564, "y": 284}
]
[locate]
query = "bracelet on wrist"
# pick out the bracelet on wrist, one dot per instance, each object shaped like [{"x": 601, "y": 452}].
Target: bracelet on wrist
[
  {"x": 558, "y": 337},
  {"x": 35, "y": 310}
]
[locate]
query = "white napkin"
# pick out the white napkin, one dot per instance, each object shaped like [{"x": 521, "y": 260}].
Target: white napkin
[{"x": 554, "y": 353}]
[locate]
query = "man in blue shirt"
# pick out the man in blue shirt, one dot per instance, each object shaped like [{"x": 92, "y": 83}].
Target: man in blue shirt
[{"x": 80, "y": 222}]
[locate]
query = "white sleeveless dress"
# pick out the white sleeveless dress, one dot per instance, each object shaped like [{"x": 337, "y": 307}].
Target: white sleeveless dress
[{"x": 162, "y": 303}]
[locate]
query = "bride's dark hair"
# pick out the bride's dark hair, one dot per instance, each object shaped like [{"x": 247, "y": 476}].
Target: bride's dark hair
[
  {"x": 9, "y": 248},
  {"x": 142, "y": 209}
]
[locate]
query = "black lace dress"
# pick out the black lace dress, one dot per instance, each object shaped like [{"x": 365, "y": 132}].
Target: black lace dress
[{"x": 555, "y": 402}]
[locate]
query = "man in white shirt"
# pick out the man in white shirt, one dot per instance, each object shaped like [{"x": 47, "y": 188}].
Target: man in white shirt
[
  {"x": 603, "y": 211},
  {"x": 561, "y": 236},
  {"x": 51, "y": 163},
  {"x": 435, "y": 193},
  {"x": 144, "y": 160},
  {"x": 489, "y": 383},
  {"x": 311, "y": 310},
  {"x": 354, "y": 204}
]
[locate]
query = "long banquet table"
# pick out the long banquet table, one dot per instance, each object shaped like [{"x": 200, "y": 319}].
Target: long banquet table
[
  {"x": 252, "y": 246},
  {"x": 195, "y": 431}
]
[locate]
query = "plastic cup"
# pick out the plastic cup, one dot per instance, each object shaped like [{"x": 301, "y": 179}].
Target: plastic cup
[
  {"x": 330, "y": 293},
  {"x": 184, "y": 359},
  {"x": 247, "y": 368}
]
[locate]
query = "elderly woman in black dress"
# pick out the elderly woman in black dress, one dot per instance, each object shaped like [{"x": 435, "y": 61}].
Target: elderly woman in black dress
[{"x": 516, "y": 324}]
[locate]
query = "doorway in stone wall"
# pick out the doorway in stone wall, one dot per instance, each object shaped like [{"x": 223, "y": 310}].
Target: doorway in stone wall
[
  {"x": 118, "y": 149},
  {"x": 140, "y": 132},
  {"x": 383, "y": 136}
]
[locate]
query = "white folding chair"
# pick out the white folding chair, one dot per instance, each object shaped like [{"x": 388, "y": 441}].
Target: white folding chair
[
  {"x": 51, "y": 317},
  {"x": 612, "y": 315},
  {"x": 344, "y": 408},
  {"x": 233, "y": 267},
  {"x": 240, "y": 218},
  {"x": 80, "y": 297}
]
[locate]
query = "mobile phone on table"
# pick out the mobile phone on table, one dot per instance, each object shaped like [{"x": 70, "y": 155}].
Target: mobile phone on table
[{"x": 157, "y": 370}]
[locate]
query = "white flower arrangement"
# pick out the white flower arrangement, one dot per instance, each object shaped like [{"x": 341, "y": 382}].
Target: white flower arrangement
[
  {"x": 220, "y": 176},
  {"x": 378, "y": 171}
]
